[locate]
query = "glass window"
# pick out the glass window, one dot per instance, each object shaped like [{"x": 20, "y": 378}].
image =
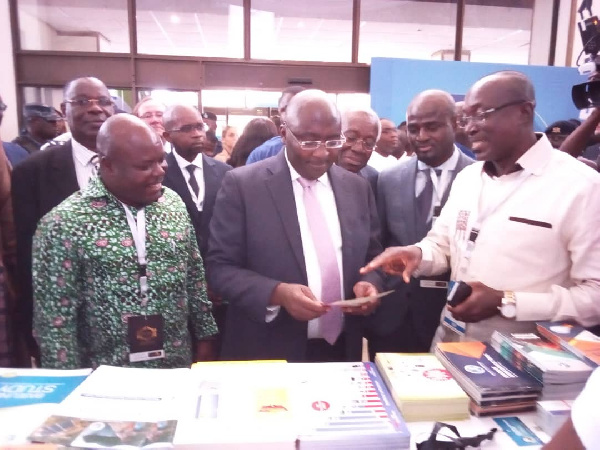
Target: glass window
[
  {"x": 302, "y": 30},
  {"x": 212, "y": 28},
  {"x": 499, "y": 34},
  {"x": 68, "y": 25},
  {"x": 408, "y": 29}
]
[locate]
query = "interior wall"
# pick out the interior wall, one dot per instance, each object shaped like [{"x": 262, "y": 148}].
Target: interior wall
[{"x": 394, "y": 82}]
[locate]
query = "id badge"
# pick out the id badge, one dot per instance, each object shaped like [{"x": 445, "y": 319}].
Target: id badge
[
  {"x": 146, "y": 337},
  {"x": 450, "y": 322},
  {"x": 437, "y": 210}
]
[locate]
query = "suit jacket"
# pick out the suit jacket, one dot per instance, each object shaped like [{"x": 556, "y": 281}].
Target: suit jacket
[
  {"x": 401, "y": 225},
  {"x": 39, "y": 183},
  {"x": 371, "y": 175},
  {"x": 255, "y": 244},
  {"x": 213, "y": 172}
]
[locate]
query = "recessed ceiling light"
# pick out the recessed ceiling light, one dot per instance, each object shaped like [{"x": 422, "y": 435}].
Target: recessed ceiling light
[{"x": 174, "y": 18}]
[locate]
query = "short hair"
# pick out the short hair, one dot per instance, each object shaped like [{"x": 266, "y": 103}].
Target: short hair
[
  {"x": 143, "y": 101},
  {"x": 365, "y": 110},
  {"x": 293, "y": 90},
  {"x": 310, "y": 96},
  {"x": 70, "y": 84},
  {"x": 170, "y": 115}
]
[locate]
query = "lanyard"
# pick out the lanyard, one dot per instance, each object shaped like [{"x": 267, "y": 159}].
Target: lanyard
[
  {"x": 440, "y": 184},
  {"x": 481, "y": 214},
  {"x": 138, "y": 231}
]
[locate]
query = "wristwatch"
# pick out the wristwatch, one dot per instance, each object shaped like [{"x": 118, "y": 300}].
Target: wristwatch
[{"x": 508, "y": 308}]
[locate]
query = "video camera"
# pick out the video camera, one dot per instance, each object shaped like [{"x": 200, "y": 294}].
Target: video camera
[{"x": 587, "y": 95}]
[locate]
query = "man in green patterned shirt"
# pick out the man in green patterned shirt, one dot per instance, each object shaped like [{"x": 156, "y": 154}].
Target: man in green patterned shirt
[{"x": 117, "y": 271}]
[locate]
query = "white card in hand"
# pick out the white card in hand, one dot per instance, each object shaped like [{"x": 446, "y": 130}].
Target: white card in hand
[{"x": 359, "y": 301}]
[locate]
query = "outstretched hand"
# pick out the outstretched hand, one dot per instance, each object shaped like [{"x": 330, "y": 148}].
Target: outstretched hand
[{"x": 397, "y": 261}]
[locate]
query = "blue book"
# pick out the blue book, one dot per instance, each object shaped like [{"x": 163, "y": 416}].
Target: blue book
[
  {"x": 484, "y": 374},
  {"x": 20, "y": 387}
]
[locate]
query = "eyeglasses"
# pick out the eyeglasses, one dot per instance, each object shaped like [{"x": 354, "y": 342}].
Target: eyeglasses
[
  {"x": 150, "y": 115},
  {"x": 313, "y": 145},
  {"x": 480, "y": 117},
  {"x": 3, "y": 106},
  {"x": 367, "y": 144},
  {"x": 103, "y": 102},
  {"x": 189, "y": 128}
]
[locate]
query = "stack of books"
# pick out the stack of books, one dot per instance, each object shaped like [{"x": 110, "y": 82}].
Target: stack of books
[
  {"x": 562, "y": 374},
  {"x": 422, "y": 388},
  {"x": 552, "y": 414},
  {"x": 494, "y": 385},
  {"x": 573, "y": 338}
]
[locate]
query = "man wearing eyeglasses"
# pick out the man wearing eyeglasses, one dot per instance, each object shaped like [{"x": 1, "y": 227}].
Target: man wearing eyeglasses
[
  {"x": 361, "y": 129},
  {"x": 520, "y": 227},
  {"x": 287, "y": 238},
  {"x": 410, "y": 197},
  {"x": 48, "y": 177},
  {"x": 196, "y": 178}
]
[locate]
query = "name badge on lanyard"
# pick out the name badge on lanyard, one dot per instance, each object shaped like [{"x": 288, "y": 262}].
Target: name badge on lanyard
[{"x": 145, "y": 333}]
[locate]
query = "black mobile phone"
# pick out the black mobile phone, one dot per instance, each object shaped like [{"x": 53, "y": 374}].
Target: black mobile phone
[{"x": 459, "y": 293}]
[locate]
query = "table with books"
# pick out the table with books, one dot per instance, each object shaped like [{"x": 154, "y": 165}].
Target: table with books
[{"x": 392, "y": 403}]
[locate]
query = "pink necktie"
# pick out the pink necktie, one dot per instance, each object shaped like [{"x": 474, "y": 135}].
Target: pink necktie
[{"x": 330, "y": 322}]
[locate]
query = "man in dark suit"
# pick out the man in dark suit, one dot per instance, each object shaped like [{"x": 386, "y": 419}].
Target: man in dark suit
[
  {"x": 361, "y": 129},
  {"x": 46, "y": 178},
  {"x": 410, "y": 197},
  {"x": 196, "y": 178},
  {"x": 287, "y": 238}
]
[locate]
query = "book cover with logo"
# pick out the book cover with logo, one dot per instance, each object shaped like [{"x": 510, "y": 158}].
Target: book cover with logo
[
  {"x": 27, "y": 386},
  {"x": 574, "y": 338}
]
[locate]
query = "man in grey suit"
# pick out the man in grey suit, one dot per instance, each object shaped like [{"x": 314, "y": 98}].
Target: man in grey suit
[
  {"x": 410, "y": 197},
  {"x": 287, "y": 238}
]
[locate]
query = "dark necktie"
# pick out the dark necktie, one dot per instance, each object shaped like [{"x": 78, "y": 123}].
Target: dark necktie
[
  {"x": 425, "y": 200},
  {"x": 331, "y": 322},
  {"x": 193, "y": 182}
]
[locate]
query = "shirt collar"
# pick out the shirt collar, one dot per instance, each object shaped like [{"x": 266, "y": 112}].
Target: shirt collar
[
  {"x": 295, "y": 175},
  {"x": 449, "y": 164},
  {"x": 535, "y": 159},
  {"x": 183, "y": 163},
  {"x": 82, "y": 154}
]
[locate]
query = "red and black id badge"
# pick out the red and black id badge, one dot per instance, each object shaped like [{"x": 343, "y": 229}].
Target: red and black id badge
[{"x": 146, "y": 337}]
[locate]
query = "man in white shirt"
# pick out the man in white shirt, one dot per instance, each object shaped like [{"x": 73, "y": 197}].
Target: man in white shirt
[
  {"x": 47, "y": 178},
  {"x": 287, "y": 238},
  {"x": 383, "y": 156},
  {"x": 196, "y": 178},
  {"x": 521, "y": 226}
]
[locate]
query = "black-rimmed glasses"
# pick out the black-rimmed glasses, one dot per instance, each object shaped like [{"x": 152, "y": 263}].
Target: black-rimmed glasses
[
  {"x": 189, "y": 128},
  {"x": 480, "y": 117},
  {"x": 313, "y": 145}
]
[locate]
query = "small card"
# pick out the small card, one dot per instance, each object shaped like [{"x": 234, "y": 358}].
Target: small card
[
  {"x": 518, "y": 431},
  {"x": 359, "y": 301},
  {"x": 146, "y": 337}
]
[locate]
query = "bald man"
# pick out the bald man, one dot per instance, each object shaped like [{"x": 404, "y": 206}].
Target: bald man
[
  {"x": 117, "y": 271},
  {"x": 520, "y": 227},
  {"x": 410, "y": 197},
  {"x": 287, "y": 238},
  {"x": 196, "y": 178},
  {"x": 47, "y": 178}
]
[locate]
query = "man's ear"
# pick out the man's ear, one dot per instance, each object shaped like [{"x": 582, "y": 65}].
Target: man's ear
[
  {"x": 63, "y": 108},
  {"x": 167, "y": 136},
  {"x": 283, "y": 133}
]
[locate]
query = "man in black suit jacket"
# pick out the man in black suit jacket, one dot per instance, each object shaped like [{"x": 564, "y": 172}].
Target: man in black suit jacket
[
  {"x": 408, "y": 202},
  {"x": 361, "y": 128},
  {"x": 46, "y": 178},
  {"x": 197, "y": 185},
  {"x": 266, "y": 258}
]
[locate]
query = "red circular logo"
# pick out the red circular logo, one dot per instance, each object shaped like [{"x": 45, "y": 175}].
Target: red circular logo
[{"x": 320, "y": 405}]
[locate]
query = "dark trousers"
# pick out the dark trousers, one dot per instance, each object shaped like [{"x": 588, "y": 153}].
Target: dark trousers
[
  {"x": 403, "y": 339},
  {"x": 319, "y": 350}
]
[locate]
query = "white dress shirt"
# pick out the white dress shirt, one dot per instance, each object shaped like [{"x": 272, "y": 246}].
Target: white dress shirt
[
  {"x": 380, "y": 162},
  {"x": 326, "y": 198},
  {"x": 585, "y": 413},
  {"x": 440, "y": 184},
  {"x": 198, "y": 174},
  {"x": 85, "y": 169},
  {"x": 540, "y": 237}
]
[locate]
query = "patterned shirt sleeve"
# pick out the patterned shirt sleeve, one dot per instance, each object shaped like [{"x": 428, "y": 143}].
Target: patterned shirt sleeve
[
  {"x": 203, "y": 322},
  {"x": 56, "y": 299}
]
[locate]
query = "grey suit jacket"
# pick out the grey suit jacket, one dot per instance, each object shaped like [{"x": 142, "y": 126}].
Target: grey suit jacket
[
  {"x": 255, "y": 244},
  {"x": 397, "y": 207},
  {"x": 213, "y": 172}
]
